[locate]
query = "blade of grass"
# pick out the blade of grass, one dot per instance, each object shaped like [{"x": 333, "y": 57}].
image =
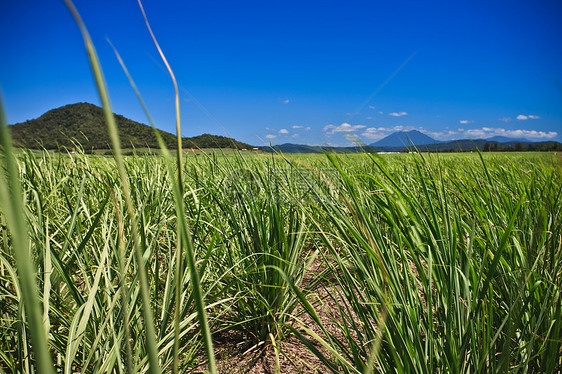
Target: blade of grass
[
  {"x": 185, "y": 239},
  {"x": 13, "y": 210},
  {"x": 116, "y": 145}
]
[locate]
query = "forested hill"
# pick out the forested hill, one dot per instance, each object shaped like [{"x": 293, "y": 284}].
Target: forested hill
[{"x": 84, "y": 123}]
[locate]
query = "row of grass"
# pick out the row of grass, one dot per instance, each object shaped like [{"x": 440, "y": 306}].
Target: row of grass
[
  {"x": 445, "y": 269},
  {"x": 434, "y": 267}
]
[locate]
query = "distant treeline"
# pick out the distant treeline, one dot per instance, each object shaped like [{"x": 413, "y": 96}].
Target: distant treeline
[{"x": 523, "y": 147}]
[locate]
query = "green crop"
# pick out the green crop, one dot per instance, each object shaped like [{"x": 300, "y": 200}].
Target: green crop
[{"x": 430, "y": 263}]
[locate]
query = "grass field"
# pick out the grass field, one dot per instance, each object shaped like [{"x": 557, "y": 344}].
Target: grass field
[
  {"x": 435, "y": 263},
  {"x": 325, "y": 263}
]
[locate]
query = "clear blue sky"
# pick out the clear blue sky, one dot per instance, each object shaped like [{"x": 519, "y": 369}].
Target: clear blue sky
[{"x": 314, "y": 72}]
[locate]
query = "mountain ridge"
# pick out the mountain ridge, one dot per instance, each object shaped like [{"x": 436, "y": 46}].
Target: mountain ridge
[
  {"x": 83, "y": 124},
  {"x": 505, "y": 139}
]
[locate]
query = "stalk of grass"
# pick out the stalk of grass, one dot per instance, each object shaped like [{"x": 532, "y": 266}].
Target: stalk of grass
[
  {"x": 13, "y": 211},
  {"x": 181, "y": 236},
  {"x": 184, "y": 236},
  {"x": 116, "y": 145}
]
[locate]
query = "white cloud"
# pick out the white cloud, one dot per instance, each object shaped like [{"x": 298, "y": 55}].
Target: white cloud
[
  {"x": 381, "y": 112},
  {"x": 476, "y": 133},
  {"x": 295, "y": 135},
  {"x": 371, "y": 107},
  {"x": 307, "y": 128},
  {"x": 505, "y": 119},
  {"x": 297, "y": 127},
  {"x": 464, "y": 122},
  {"x": 285, "y": 101},
  {"x": 283, "y": 131},
  {"x": 396, "y": 114},
  {"x": 344, "y": 127},
  {"x": 488, "y": 132},
  {"x": 532, "y": 134},
  {"x": 271, "y": 136},
  {"x": 369, "y": 117},
  {"x": 523, "y": 117},
  {"x": 371, "y": 133}
]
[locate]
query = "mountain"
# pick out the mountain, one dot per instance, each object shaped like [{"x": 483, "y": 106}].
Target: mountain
[
  {"x": 403, "y": 139},
  {"x": 504, "y": 139},
  {"x": 84, "y": 124}
]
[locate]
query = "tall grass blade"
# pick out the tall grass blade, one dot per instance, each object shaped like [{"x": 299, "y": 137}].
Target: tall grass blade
[
  {"x": 184, "y": 235},
  {"x": 14, "y": 212},
  {"x": 116, "y": 145}
]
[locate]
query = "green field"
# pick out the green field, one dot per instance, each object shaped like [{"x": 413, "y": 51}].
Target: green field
[
  {"x": 355, "y": 263},
  {"x": 392, "y": 263}
]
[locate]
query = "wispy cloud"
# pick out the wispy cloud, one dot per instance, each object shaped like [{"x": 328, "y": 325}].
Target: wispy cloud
[
  {"x": 464, "y": 121},
  {"x": 344, "y": 127},
  {"x": 380, "y": 132},
  {"x": 300, "y": 127},
  {"x": 523, "y": 117},
  {"x": 283, "y": 132},
  {"x": 488, "y": 132},
  {"x": 285, "y": 101},
  {"x": 398, "y": 114},
  {"x": 506, "y": 119},
  {"x": 271, "y": 136},
  {"x": 371, "y": 107}
]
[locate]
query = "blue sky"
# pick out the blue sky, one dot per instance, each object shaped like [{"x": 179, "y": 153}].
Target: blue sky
[{"x": 312, "y": 72}]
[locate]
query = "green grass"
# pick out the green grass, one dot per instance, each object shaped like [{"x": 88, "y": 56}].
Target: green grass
[
  {"x": 135, "y": 263},
  {"x": 445, "y": 268},
  {"x": 439, "y": 267}
]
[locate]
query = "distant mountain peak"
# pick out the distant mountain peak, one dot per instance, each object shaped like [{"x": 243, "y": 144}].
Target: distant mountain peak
[
  {"x": 504, "y": 139},
  {"x": 404, "y": 139}
]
